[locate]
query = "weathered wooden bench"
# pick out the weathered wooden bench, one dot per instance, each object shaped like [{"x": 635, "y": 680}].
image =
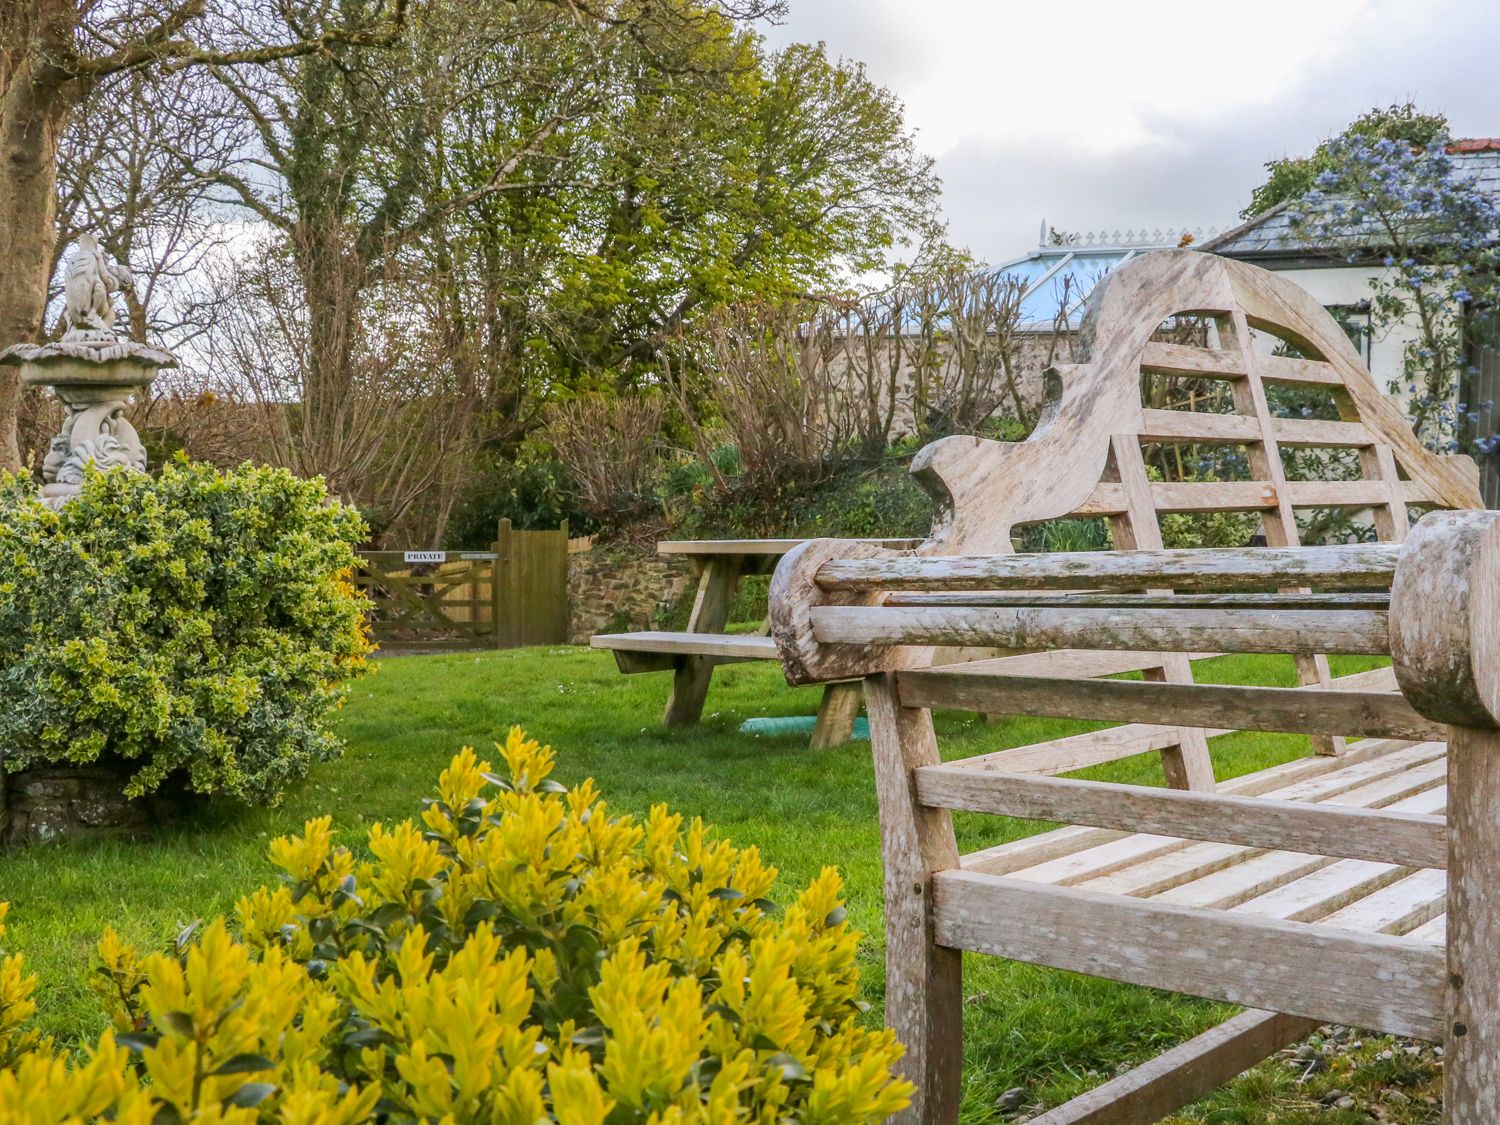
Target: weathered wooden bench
[
  {"x": 693, "y": 654},
  {"x": 1359, "y": 885}
]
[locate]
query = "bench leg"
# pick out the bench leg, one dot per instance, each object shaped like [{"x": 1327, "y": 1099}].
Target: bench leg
[
  {"x": 836, "y": 714},
  {"x": 710, "y": 614},
  {"x": 923, "y": 981},
  {"x": 1471, "y": 1052}
]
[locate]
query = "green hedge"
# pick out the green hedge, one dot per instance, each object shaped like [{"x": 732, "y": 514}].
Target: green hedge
[{"x": 195, "y": 625}]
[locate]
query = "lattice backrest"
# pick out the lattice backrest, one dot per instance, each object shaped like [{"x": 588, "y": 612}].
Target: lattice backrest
[
  {"x": 1085, "y": 455},
  {"x": 1084, "y": 458}
]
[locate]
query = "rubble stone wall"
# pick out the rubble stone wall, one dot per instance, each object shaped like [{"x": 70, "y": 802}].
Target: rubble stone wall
[
  {"x": 54, "y": 803},
  {"x": 617, "y": 589}
]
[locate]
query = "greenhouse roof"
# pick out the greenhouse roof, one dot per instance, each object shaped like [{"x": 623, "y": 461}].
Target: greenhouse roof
[{"x": 1067, "y": 267}]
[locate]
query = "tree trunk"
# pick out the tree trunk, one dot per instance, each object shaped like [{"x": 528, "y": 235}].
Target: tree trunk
[
  {"x": 332, "y": 287},
  {"x": 34, "y": 105}
]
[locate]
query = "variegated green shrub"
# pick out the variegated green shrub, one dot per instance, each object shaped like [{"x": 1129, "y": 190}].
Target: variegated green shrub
[{"x": 196, "y": 622}]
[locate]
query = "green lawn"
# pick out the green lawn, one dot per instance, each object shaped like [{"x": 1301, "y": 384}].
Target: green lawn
[{"x": 1050, "y": 1033}]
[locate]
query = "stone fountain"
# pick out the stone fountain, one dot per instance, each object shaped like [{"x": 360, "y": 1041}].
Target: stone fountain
[{"x": 94, "y": 373}]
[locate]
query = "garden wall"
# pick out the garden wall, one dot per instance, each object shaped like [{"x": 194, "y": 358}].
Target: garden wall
[
  {"x": 54, "y": 803},
  {"x": 615, "y": 589}
]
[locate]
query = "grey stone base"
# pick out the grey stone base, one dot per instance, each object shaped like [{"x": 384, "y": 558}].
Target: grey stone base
[{"x": 60, "y": 803}]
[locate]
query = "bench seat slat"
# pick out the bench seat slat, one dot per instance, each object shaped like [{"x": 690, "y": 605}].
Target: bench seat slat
[
  {"x": 732, "y": 646},
  {"x": 1198, "y": 861},
  {"x": 1377, "y": 781},
  {"x": 1398, "y": 908},
  {"x": 1435, "y": 931},
  {"x": 1264, "y": 873},
  {"x": 1321, "y": 892},
  {"x": 1326, "y": 829},
  {"x": 1303, "y": 969},
  {"x": 1372, "y": 757}
]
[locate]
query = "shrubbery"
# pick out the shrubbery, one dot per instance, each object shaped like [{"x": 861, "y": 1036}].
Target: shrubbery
[
  {"x": 521, "y": 956},
  {"x": 196, "y": 623}
]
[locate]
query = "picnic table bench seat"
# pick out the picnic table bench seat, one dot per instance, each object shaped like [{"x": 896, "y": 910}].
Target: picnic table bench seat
[
  {"x": 654, "y": 650},
  {"x": 1357, "y": 885}
]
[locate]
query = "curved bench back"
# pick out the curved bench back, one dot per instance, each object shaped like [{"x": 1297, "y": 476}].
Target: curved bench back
[
  {"x": 1084, "y": 458},
  {"x": 1255, "y": 331}
]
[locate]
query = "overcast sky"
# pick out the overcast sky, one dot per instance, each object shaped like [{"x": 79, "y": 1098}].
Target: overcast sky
[{"x": 1103, "y": 114}]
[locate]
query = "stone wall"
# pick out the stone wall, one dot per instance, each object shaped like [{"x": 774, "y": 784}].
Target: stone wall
[
  {"x": 55, "y": 803},
  {"x": 619, "y": 589}
]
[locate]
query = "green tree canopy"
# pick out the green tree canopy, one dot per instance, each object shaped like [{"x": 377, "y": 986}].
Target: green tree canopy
[
  {"x": 515, "y": 203},
  {"x": 1292, "y": 177},
  {"x": 715, "y": 170}
]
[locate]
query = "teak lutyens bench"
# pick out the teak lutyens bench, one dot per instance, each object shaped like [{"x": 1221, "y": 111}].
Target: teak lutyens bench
[{"x": 1359, "y": 885}]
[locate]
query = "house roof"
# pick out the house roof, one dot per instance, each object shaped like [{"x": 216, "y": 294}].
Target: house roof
[{"x": 1270, "y": 235}]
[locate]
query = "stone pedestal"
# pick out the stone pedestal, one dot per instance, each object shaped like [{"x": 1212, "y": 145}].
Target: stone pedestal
[{"x": 95, "y": 379}]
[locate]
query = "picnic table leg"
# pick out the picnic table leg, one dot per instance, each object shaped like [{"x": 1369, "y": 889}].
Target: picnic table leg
[
  {"x": 836, "y": 714},
  {"x": 710, "y": 614}
]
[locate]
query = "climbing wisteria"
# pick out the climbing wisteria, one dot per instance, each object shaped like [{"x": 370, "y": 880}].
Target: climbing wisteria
[{"x": 1411, "y": 209}]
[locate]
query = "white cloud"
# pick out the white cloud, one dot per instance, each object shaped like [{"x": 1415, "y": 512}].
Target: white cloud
[{"x": 1097, "y": 113}]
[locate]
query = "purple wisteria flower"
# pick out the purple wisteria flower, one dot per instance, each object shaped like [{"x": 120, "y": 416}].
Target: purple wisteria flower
[{"x": 1418, "y": 213}]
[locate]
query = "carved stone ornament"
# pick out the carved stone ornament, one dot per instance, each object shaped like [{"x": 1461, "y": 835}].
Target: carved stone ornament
[
  {"x": 93, "y": 372},
  {"x": 89, "y": 280}
]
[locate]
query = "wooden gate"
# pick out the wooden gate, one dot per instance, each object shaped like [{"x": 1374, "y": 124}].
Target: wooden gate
[
  {"x": 514, "y": 594},
  {"x": 531, "y": 587}
]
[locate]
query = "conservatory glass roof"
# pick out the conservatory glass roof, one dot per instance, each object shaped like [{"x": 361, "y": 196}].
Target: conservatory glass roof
[{"x": 1068, "y": 271}]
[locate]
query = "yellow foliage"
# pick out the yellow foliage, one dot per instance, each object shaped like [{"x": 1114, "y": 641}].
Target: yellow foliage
[{"x": 521, "y": 956}]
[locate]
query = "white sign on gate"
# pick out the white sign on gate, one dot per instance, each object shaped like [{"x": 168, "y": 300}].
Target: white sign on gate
[{"x": 426, "y": 556}]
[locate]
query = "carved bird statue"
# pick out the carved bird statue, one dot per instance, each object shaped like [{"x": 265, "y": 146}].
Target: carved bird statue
[{"x": 88, "y": 281}]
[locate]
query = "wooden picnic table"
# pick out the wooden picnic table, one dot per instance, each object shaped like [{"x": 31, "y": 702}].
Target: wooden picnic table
[{"x": 693, "y": 654}]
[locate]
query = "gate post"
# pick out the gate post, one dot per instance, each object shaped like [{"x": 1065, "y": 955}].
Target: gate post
[
  {"x": 498, "y": 584},
  {"x": 564, "y": 622}
]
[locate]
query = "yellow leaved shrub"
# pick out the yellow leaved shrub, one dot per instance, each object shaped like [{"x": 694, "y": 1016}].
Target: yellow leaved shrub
[{"x": 520, "y": 956}]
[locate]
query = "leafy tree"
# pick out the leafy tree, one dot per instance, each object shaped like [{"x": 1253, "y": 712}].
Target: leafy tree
[
  {"x": 713, "y": 172},
  {"x": 515, "y": 202},
  {"x": 1290, "y": 177},
  {"x": 56, "y": 54},
  {"x": 1409, "y": 208},
  {"x": 501, "y": 206}
]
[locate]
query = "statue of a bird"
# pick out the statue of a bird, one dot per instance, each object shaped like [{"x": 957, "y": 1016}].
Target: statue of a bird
[{"x": 88, "y": 282}]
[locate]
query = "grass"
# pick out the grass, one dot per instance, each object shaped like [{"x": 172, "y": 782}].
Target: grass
[{"x": 1052, "y": 1034}]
